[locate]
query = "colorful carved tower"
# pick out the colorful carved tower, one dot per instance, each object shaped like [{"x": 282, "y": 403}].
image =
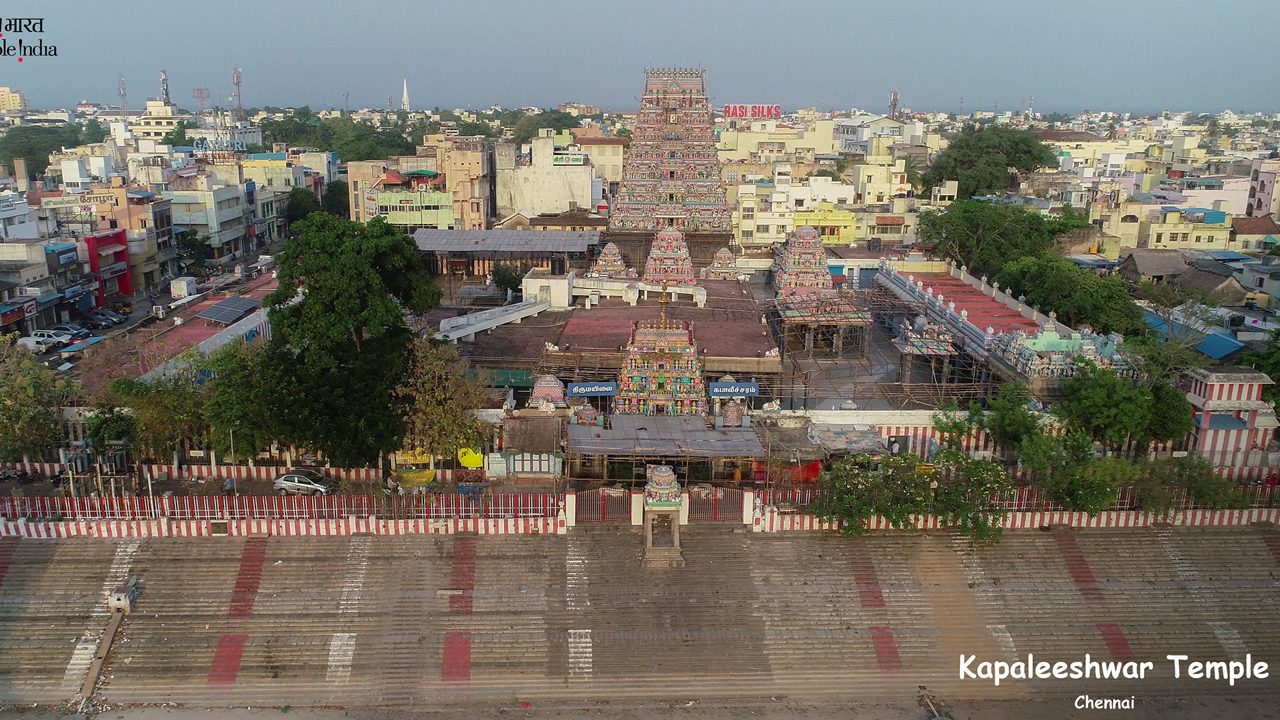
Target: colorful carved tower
[
  {"x": 722, "y": 267},
  {"x": 661, "y": 373},
  {"x": 610, "y": 264},
  {"x": 669, "y": 262},
  {"x": 802, "y": 266},
  {"x": 671, "y": 175}
]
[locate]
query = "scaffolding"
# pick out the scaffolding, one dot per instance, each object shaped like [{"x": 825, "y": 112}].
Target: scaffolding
[{"x": 820, "y": 324}]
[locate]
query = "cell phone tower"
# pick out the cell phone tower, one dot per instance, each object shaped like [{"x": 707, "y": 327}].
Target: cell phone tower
[
  {"x": 121, "y": 92},
  {"x": 235, "y": 80}
]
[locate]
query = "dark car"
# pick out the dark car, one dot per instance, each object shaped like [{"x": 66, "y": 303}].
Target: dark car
[
  {"x": 72, "y": 329},
  {"x": 94, "y": 322},
  {"x": 110, "y": 316}
]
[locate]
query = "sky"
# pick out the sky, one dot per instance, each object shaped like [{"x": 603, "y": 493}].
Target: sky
[{"x": 1134, "y": 55}]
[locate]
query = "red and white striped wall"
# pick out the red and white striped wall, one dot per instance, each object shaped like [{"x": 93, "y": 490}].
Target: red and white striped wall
[
  {"x": 773, "y": 521},
  {"x": 282, "y": 528}
]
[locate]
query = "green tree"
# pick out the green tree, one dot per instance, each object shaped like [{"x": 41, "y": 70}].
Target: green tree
[
  {"x": 340, "y": 347},
  {"x": 1078, "y": 296},
  {"x": 984, "y": 236},
  {"x": 1110, "y": 408},
  {"x": 470, "y": 129},
  {"x": 167, "y": 410},
  {"x": 32, "y": 397},
  {"x": 336, "y": 199},
  {"x": 92, "y": 132},
  {"x": 301, "y": 203},
  {"x": 440, "y": 397},
  {"x": 526, "y": 128},
  {"x": 1090, "y": 486},
  {"x": 34, "y": 144},
  {"x": 178, "y": 135},
  {"x": 111, "y": 424},
  {"x": 193, "y": 249},
  {"x": 1171, "y": 415},
  {"x": 1009, "y": 419},
  {"x": 1267, "y": 362},
  {"x": 507, "y": 277},
  {"x": 862, "y": 487},
  {"x": 978, "y": 159},
  {"x": 969, "y": 494},
  {"x": 624, "y": 133},
  {"x": 954, "y": 425},
  {"x": 826, "y": 172},
  {"x": 242, "y": 398}
]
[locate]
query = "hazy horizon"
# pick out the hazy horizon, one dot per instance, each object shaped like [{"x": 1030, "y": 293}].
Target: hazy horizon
[{"x": 996, "y": 55}]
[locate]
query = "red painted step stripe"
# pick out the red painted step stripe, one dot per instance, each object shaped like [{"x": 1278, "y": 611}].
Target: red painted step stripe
[
  {"x": 1078, "y": 566},
  {"x": 456, "y": 665},
  {"x": 464, "y": 574},
  {"x": 226, "y": 659},
  {"x": 886, "y": 647},
  {"x": 865, "y": 577},
  {"x": 249, "y": 577},
  {"x": 8, "y": 548},
  {"x": 1116, "y": 641}
]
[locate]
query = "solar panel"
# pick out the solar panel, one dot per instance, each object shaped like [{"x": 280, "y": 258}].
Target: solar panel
[{"x": 229, "y": 310}]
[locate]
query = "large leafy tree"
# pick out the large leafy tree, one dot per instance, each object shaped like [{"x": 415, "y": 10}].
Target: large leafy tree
[
  {"x": 32, "y": 397},
  {"x": 336, "y": 199},
  {"x": 440, "y": 397},
  {"x": 35, "y": 143},
  {"x": 1009, "y": 419},
  {"x": 244, "y": 406},
  {"x": 340, "y": 345},
  {"x": 862, "y": 487},
  {"x": 168, "y": 410},
  {"x": 1109, "y": 408},
  {"x": 968, "y": 493},
  {"x": 350, "y": 139},
  {"x": 527, "y": 126},
  {"x": 1078, "y": 296},
  {"x": 302, "y": 202},
  {"x": 979, "y": 158},
  {"x": 984, "y": 236}
]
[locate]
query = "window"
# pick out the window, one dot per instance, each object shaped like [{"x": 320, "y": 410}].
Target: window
[
  {"x": 762, "y": 229},
  {"x": 1159, "y": 237},
  {"x": 1198, "y": 238},
  {"x": 1257, "y": 282}
]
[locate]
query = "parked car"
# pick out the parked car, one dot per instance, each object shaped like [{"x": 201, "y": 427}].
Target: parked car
[
  {"x": 37, "y": 344},
  {"x": 75, "y": 331},
  {"x": 94, "y": 322},
  {"x": 59, "y": 339},
  {"x": 111, "y": 315},
  {"x": 301, "y": 481}
]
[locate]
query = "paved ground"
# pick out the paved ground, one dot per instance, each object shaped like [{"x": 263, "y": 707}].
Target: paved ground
[{"x": 772, "y": 626}]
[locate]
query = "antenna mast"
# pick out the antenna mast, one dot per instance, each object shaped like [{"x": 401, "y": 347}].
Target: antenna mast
[
  {"x": 893, "y": 104},
  {"x": 201, "y": 96},
  {"x": 164, "y": 86},
  {"x": 121, "y": 92},
  {"x": 235, "y": 80}
]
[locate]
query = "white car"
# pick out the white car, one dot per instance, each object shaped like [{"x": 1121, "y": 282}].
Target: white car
[
  {"x": 57, "y": 338},
  {"x": 37, "y": 345},
  {"x": 301, "y": 481}
]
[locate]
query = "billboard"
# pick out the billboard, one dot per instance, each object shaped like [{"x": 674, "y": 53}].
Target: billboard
[
  {"x": 742, "y": 111},
  {"x": 733, "y": 389},
  {"x": 592, "y": 389}
]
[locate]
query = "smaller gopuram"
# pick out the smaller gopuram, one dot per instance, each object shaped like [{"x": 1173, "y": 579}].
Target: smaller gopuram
[
  {"x": 548, "y": 394},
  {"x": 610, "y": 264},
  {"x": 723, "y": 266},
  {"x": 802, "y": 266},
  {"x": 669, "y": 262},
  {"x": 661, "y": 372},
  {"x": 662, "y": 504}
]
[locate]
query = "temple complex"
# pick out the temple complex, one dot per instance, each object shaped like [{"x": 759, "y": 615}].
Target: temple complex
[
  {"x": 671, "y": 174},
  {"x": 723, "y": 267},
  {"x": 802, "y": 266},
  {"x": 611, "y": 265},
  {"x": 661, "y": 373},
  {"x": 669, "y": 262}
]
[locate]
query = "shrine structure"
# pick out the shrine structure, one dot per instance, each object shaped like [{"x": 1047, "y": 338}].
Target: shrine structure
[
  {"x": 802, "y": 266},
  {"x": 671, "y": 174},
  {"x": 723, "y": 266},
  {"x": 547, "y": 394},
  {"x": 669, "y": 262},
  {"x": 662, "y": 504},
  {"x": 661, "y": 372},
  {"x": 610, "y": 264}
]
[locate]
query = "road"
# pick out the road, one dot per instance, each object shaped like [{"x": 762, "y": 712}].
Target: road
[{"x": 806, "y": 623}]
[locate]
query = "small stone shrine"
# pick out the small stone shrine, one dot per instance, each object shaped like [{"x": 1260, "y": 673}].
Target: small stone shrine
[
  {"x": 611, "y": 265},
  {"x": 722, "y": 267},
  {"x": 802, "y": 266},
  {"x": 548, "y": 394},
  {"x": 662, "y": 504}
]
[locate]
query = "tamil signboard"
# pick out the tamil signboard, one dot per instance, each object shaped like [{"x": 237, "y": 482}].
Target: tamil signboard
[
  {"x": 78, "y": 200},
  {"x": 742, "y": 111},
  {"x": 734, "y": 389},
  {"x": 569, "y": 159},
  {"x": 592, "y": 389}
]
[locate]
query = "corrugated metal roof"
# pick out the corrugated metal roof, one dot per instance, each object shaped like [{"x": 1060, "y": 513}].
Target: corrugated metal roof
[
  {"x": 433, "y": 240},
  {"x": 663, "y": 437}
]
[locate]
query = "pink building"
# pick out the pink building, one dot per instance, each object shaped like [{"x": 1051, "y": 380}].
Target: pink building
[{"x": 1233, "y": 424}]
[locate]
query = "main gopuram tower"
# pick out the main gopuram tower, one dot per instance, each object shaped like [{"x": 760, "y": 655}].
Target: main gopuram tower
[{"x": 671, "y": 176}]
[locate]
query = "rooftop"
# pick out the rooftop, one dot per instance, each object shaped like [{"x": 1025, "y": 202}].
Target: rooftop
[
  {"x": 984, "y": 311},
  {"x": 571, "y": 241}
]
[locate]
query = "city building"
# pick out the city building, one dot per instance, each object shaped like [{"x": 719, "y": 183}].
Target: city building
[
  {"x": 159, "y": 118},
  {"x": 1186, "y": 228},
  {"x": 218, "y": 213},
  {"x": 11, "y": 99},
  {"x": 542, "y": 178},
  {"x": 362, "y": 195},
  {"x": 607, "y": 155},
  {"x": 1263, "y": 198},
  {"x": 413, "y": 200},
  {"x": 108, "y": 259},
  {"x": 465, "y": 164}
]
